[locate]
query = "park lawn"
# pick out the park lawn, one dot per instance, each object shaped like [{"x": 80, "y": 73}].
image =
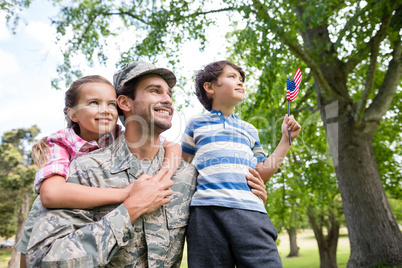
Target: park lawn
[
  {"x": 308, "y": 252},
  {"x": 5, "y": 256}
]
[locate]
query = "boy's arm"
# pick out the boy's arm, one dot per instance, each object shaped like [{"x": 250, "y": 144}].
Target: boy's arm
[
  {"x": 273, "y": 162},
  {"x": 188, "y": 145},
  {"x": 55, "y": 192}
]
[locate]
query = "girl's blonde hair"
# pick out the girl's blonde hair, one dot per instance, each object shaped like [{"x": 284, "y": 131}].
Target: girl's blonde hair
[{"x": 41, "y": 150}]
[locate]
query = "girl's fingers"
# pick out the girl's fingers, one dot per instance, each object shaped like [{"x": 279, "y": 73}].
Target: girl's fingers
[{"x": 159, "y": 175}]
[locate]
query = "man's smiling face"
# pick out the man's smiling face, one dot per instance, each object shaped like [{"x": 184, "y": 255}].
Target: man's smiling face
[{"x": 153, "y": 102}]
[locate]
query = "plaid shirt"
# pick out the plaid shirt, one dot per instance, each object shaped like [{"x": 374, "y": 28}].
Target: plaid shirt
[{"x": 64, "y": 146}]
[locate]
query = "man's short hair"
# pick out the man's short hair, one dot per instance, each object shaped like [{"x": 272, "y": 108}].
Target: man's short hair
[
  {"x": 137, "y": 69},
  {"x": 127, "y": 78}
]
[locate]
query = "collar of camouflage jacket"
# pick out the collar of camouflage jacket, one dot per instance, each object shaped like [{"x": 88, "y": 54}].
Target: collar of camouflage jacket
[{"x": 123, "y": 159}]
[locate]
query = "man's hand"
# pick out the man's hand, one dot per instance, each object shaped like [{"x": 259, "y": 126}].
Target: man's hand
[
  {"x": 257, "y": 184},
  {"x": 148, "y": 194},
  {"x": 290, "y": 123}
]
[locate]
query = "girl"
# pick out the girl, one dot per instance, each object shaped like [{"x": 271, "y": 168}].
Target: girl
[{"x": 91, "y": 114}]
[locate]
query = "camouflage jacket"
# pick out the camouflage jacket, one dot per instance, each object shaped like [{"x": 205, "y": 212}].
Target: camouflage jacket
[{"x": 104, "y": 236}]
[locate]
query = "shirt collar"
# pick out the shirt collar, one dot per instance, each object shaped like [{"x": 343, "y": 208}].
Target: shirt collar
[
  {"x": 123, "y": 159},
  {"x": 82, "y": 145},
  {"x": 109, "y": 138},
  {"x": 219, "y": 113}
]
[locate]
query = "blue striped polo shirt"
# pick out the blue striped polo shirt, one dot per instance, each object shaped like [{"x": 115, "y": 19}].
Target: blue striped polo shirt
[{"x": 224, "y": 149}]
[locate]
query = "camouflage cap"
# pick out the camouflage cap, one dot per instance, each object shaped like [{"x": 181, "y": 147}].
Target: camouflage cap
[{"x": 138, "y": 68}]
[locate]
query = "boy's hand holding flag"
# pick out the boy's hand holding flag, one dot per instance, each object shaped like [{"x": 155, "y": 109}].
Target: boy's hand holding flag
[{"x": 292, "y": 89}]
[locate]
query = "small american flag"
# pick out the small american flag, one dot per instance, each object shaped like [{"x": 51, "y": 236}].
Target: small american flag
[{"x": 293, "y": 86}]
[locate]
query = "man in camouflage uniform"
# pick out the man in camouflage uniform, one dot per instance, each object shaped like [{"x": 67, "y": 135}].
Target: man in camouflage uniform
[{"x": 147, "y": 230}]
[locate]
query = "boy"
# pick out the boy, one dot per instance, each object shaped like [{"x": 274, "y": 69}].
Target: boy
[{"x": 228, "y": 224}]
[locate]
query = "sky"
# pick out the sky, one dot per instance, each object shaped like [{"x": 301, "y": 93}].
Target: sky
[{"x": 28, "y": 61}]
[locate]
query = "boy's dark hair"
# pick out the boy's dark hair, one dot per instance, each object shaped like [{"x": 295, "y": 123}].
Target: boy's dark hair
[{"x": 210, "y": 73}]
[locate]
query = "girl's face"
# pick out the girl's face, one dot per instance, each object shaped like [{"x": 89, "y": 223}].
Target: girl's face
[{"x": 96, "y": 111}]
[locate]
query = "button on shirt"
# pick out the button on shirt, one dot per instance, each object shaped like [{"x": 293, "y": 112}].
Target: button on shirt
[
  {"x": 224, "y": 149},
  {"x": 64, "y": 146}
]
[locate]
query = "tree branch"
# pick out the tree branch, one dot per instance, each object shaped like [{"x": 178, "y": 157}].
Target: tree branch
[
  {"x": 90, "y": 22},
  {"x": 298, "y": 110},
  {"x": 306, "y": 108},
  {"x": 126, "y": 13},
  {"x": 179, "y": 18},
  {"x": 375, "y": 43},
  {"x": 386, "y": 93},
  {"x": 350, "y": 23},
  {"x": 295, "y": 47},
  {"x": 355, "y": 58}
]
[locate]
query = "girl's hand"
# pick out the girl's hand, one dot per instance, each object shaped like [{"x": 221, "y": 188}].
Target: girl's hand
[
  {"x": 257, "y": 184},
  {"x": 165, "y": 172}
]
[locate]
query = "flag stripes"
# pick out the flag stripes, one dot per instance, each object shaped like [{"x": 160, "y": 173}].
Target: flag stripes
[
  {"x": 293, "y": 86},
  {"x": 298, "y": 77}
]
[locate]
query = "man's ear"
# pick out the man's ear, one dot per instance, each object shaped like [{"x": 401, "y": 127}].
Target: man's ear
[
  {"x": 124, "y": 103},
  {"x": 71, "y": 113},
  {"x": 209, "y": 89}
]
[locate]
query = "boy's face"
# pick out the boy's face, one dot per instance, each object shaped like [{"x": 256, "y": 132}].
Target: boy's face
[{"x": 228, "y": 90}]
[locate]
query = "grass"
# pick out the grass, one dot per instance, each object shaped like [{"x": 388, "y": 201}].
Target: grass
[
  {"x": 308, "y": 252},
  {"x": 5, "y": 256}
]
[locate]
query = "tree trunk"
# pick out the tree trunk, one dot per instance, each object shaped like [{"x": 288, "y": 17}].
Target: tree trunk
[
  {"x": 327, "y": 245},
  {"x": 22, "y": 217},
  {"x": 373, "y": 231},
  {"x": 294, "y": 249}
]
